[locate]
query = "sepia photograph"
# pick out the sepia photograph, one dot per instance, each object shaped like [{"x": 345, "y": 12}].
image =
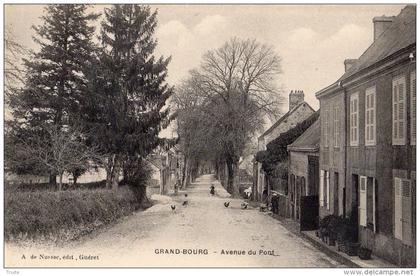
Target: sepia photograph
[{"x": 147, "y": 135}]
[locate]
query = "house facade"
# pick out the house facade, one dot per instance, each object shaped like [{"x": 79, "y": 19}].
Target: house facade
[
  {"x": 332, "y": 154},
  {"x": 372, "y": 174},
  {"x": 299, "y": 110},
  {"x": 303, "y": 170}
]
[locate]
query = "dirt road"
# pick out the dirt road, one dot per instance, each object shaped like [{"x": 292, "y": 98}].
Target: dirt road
[{"x": 202, "y": 233}]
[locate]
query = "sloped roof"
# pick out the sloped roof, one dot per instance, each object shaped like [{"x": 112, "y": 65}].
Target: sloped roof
[
  {"x": 399, "y": 35},
  {"x": 155, "y": 160},
  {"x": 309, "y": 140},
  {"x": 284, "y": 117}
]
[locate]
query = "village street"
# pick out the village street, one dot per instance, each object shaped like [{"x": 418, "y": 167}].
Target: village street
[{"x": 205, "y": 226}]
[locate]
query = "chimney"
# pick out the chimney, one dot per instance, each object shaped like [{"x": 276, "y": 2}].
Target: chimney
[
  {"x": 380, "y": 24},
  {"x": 348, "y": 63},
  {"x": 295, "y": 97}
]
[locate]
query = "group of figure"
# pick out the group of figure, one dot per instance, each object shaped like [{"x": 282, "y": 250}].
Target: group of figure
[{"x": 270, "y": 202}]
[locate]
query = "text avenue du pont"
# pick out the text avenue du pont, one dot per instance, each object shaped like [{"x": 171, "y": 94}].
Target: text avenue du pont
[{"x": 200, "y": 251}]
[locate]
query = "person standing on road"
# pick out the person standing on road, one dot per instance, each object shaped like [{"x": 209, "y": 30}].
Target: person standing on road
[{"x": 212, "y": 190}]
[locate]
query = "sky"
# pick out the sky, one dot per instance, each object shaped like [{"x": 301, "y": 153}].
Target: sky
[{"x": 312, "y": 40}]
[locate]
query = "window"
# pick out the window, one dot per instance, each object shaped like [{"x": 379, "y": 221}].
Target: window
[
  {"x": 367, "y": 202},
  {"x": 327, "y": 189},
  {"x": 336, "y": 127},
  {"x": 398, "y": 111},
  {"x": 321, "y": 188},
  {"x": 362, "y": 201},
  {"x": 413, "y": 107},
  {"x": 370, "y": 117},
  {"x": 403, "y": 210},
  {"x": 371, "y": 203},
  {"x": 354, "y": 119},
  {"x": 326, "y": 128}
]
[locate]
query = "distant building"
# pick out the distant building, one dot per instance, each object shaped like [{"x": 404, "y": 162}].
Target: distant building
[
  {"x": 368, "y": 141},
  {"x": 155, "y": 162},
  {"x": 299, "y": 110}
]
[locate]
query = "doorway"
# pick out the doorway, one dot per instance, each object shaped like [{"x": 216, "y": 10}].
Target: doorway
[
  {"x": 354, "y": 212},
  {"x": 336, "y": 209},
  {"x": 344, "y": 202},
  {"x": 313, "y": 175}
]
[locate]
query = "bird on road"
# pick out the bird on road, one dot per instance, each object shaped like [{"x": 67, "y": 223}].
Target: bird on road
[
  {"x": 244, "y": 205},
  {"x": 226, "y": 204},
  {"x": 173, "y": 208}
]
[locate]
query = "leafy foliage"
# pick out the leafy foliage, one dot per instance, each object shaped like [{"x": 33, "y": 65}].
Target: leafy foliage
[
  {"x": 54, "y": 84},
  {"x": 277, "y": 149},
  {"x": 56, "y": 79},
  {"x": 128, "y": 95},
  {"x": 126, "y": 102},
  {"x": 66, "y": 215},
  {"x": 53, "y": 149}
]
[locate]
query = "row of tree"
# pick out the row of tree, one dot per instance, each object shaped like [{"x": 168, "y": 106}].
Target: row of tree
[
  {"x": 87, "y": 101},
  {"x": 223, "y": 104}
]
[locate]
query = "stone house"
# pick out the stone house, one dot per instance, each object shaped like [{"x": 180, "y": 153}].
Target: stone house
[
  {"x": 303, "y": 169},
  {"x": 156, "y": 164},
  {"x": 299, "y": 110},
  {"x": 368, "y": 141}
]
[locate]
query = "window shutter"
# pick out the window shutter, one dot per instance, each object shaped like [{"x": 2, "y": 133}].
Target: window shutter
[
  {"x": 374, "y": 204},
  {"x": 413, "y": 107},
  {"x": 335, "y": 127},
  {"x": 400, "y": 111},
  {"x": 399, "y": 116},
  {"x": 326, "y": 128},
  {"x": 362, "y": 201},
  {"x": 373, "y": 117},
  {"x": 406, "y": 211},
  {"x": 397, "y": 209},
  {"x": 327, "y": 188},
  {"x": 354, "y": 121},
  {"x": 394, "y": 112},
  {"x": 370, "y": 117},
  {"x": 321, "y": 188}
]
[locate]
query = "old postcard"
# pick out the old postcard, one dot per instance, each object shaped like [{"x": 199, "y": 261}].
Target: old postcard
[{"x": 192, "y": 135}]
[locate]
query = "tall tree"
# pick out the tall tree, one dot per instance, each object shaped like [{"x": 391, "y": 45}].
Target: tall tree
[
  {"x": 55, "y": 78},
  {"x": 127, "y": 103},
  {"x": 237, "y": 88}
]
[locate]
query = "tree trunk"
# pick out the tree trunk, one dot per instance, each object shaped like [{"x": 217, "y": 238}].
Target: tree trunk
[
  {"x": 162, "y": 181},
  {"x": 186, "y": 173},
  {"x": 116, "y": 173},
  {"x": 113, "y": 169},
  {"x": 53, "y": 179},
  {"x": 109, "y": 171},
  {"x": 60, "y": 183},
  {"x": 75, "y": 177},
  {"x": 233, "y": 179}
]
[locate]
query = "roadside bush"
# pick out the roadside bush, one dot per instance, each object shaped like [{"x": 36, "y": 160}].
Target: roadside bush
[
  {"x": 34, "y": 187},
  {"x": 64, "y": 215}
]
